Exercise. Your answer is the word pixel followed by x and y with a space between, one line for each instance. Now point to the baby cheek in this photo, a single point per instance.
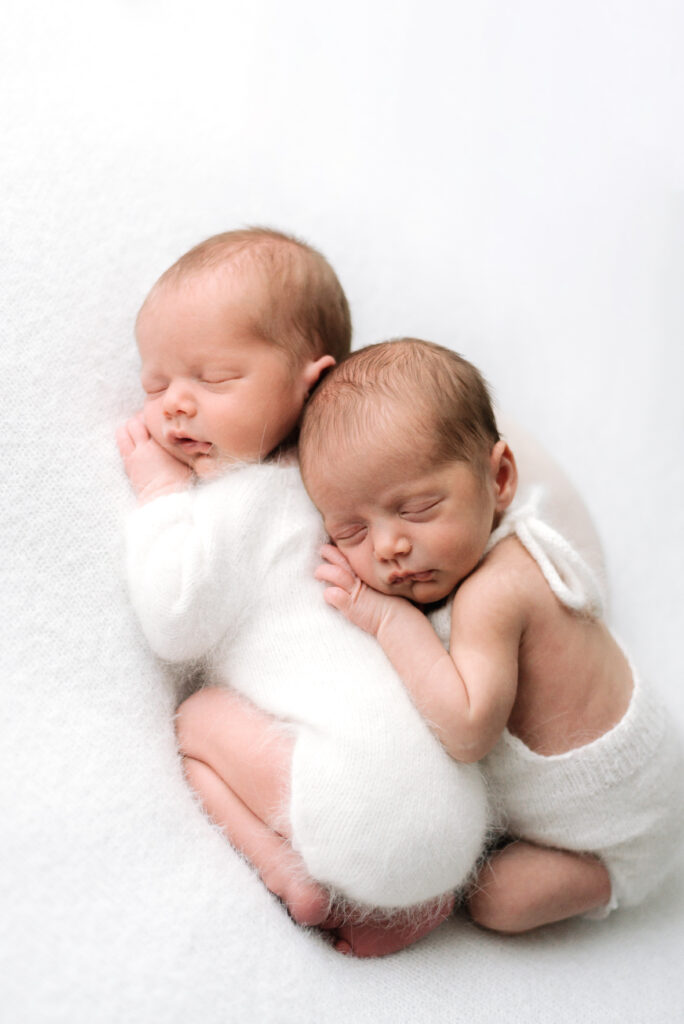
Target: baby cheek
pixel 153 421
pixel 354 557
pixel 364 567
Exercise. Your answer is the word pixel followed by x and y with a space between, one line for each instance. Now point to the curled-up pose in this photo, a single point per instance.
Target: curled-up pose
pixel 304 746
pixel 416 490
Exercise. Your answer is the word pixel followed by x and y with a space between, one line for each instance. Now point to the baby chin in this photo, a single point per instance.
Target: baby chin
pixel 207 466
pixel 214 464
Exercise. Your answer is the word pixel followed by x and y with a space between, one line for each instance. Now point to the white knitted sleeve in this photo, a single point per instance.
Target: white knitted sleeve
pixel 182 588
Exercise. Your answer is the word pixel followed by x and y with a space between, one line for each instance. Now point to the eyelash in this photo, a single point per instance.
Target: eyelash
pixel 151 392
pixel 407 513
pixel 360 533
pixel 357 535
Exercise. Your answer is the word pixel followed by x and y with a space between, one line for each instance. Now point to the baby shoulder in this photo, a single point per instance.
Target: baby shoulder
pixel 503 592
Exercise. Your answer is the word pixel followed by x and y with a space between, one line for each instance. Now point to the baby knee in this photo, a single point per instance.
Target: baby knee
pixel 500 898
pixel 498 912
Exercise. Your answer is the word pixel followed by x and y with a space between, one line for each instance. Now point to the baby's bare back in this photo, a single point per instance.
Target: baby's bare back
pixel 574 681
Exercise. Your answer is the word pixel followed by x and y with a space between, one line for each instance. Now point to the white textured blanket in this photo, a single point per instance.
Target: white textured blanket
pixel 504 179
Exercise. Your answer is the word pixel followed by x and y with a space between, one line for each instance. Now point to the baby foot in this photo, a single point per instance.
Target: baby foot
pixel 377 938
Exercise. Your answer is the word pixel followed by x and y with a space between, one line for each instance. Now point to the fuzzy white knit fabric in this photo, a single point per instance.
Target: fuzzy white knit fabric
pixel 620 797
pixel 224 573
pixel 568 574
pixel 506 179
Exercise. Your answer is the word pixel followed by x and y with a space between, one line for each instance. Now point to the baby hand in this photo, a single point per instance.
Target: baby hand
pixel 365 607
pixel 151 470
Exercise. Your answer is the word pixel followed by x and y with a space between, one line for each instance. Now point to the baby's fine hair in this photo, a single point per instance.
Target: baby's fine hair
pixel 426 401
pixel 305 310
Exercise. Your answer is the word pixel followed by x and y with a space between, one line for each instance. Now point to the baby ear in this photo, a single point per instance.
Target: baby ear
pixel 314 369
pixel 504 474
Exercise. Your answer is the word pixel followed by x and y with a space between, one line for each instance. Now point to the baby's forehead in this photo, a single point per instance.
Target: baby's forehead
pixel 383 428
pixel 237 298
pixel 362 468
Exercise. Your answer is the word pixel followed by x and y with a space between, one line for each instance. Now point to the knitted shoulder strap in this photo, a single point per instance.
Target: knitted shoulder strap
pixel 566 572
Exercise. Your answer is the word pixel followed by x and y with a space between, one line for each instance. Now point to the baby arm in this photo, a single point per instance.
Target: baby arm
pixel 465 694
pixel 175 579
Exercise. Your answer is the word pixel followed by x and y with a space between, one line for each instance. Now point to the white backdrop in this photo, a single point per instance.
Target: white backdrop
pixel 507 179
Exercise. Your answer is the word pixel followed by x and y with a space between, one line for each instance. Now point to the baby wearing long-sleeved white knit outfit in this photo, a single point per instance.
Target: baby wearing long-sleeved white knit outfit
pixel 223 572
pixel 620 797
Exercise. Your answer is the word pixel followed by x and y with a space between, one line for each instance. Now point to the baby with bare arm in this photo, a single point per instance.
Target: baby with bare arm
pixel 303 745
pixel 416 490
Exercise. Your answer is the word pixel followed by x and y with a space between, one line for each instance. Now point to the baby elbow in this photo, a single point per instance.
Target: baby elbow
pixel 469 747
pixel 466 754
pixel 174 640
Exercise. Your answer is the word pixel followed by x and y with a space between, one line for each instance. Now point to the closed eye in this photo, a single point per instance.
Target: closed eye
pixel 423 510
pixel 218 381
pixel 349 535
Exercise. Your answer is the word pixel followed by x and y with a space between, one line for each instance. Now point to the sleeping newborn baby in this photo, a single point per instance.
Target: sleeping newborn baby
pixel 304 745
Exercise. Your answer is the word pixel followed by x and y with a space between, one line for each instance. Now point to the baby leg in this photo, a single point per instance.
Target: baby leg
pixel 237 760
pixel 524 886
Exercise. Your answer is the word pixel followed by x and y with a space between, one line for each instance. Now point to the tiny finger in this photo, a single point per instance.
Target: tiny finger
pixel 137 429
pixel 336 575
pixel 337 598
pixel 123 441
pixel 334 555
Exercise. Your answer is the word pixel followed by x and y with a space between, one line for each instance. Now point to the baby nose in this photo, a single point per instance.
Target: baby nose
pixel 178 399
pixel 390 543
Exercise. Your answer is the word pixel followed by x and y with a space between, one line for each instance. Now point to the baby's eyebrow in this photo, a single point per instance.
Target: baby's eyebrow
pixel 151 378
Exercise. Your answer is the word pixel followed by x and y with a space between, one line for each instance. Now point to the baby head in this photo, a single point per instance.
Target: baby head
pixel 400 452
pixel 232 339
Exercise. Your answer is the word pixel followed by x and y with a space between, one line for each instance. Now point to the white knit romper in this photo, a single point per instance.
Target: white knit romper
pixel 224 574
